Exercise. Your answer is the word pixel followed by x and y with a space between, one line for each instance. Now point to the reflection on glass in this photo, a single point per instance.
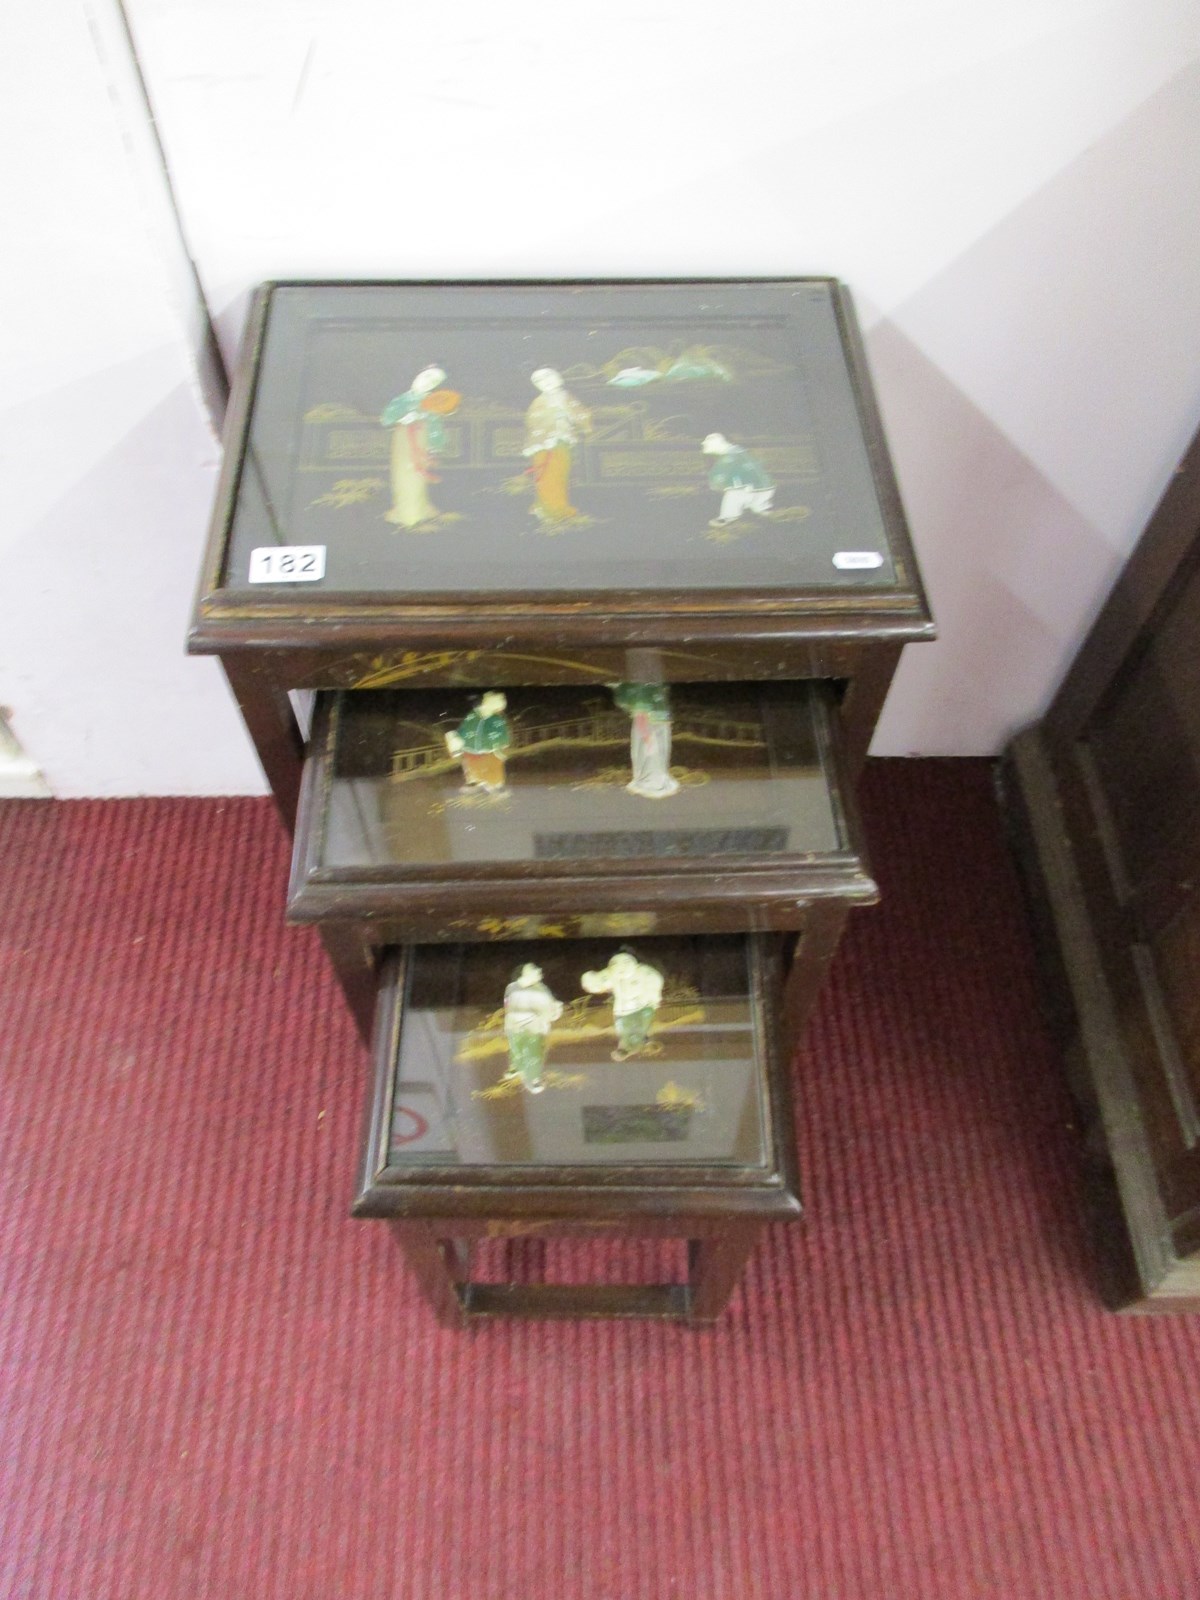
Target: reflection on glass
pixel 580 1053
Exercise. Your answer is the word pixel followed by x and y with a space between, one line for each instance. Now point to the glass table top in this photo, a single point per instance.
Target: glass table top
pixel 468 439
pixel 582 1053
pixel 427 779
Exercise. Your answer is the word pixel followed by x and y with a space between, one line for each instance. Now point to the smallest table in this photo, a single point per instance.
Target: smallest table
pixel 519 1092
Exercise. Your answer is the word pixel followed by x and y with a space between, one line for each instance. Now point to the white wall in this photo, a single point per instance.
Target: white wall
pixel 108 453
pixel 1010 192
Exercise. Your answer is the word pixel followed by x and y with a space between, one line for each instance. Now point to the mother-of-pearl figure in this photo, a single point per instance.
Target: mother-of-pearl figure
pixel 418 437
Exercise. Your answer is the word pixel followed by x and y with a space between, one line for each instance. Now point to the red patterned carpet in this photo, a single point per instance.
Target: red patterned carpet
pixel 214 1384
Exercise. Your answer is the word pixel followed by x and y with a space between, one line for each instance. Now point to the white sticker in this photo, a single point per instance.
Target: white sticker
pixel 857 560
pixel 287 563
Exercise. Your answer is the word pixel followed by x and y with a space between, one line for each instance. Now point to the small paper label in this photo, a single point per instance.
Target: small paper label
pixel 857 560
pixel 287 563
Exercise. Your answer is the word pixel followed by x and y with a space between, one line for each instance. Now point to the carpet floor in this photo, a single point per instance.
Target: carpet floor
pixel 214 1383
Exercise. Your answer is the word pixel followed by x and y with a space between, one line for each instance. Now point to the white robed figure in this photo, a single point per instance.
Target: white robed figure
pixel 649 708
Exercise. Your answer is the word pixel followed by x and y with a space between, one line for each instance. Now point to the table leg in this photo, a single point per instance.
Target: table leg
pixel 353 962
pixel 440 1266
pixel 271 724
pixel 715 1265
pixel 814 951
pixel 863 701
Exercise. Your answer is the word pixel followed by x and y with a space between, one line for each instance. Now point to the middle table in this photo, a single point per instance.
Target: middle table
pixel 631 811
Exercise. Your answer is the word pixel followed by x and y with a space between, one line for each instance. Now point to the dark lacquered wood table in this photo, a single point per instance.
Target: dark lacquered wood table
pixel 693 1141
pixel 596 591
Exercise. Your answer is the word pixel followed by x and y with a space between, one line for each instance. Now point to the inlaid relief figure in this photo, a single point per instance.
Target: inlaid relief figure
pixel 418 437
pixel 637 990
pixel 744 482
pixel 481 743
pixel 530 1011
pixel 649 708
pixel 554 424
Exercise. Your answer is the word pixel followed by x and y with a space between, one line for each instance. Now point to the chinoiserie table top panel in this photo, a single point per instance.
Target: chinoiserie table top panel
pixel 579 1054
pixel 579 778
pixel 447 444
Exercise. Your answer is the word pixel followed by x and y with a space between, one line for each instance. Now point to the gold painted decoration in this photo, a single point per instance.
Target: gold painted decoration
pixel 511 1084
pixel 682 362
pixel 349 492
pixel 384 672
pixel 595 728
pixel 520 928
pixel 673 1096
pixel 587 925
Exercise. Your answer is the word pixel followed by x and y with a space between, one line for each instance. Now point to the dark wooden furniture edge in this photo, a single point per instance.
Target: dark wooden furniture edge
pixel 624 620
pixel 226 619
pixel 883 473
pixel 441 1265
pixel 1136 1261
pixel 237 415
pixel 796 882
pixel 435 1223
pixel 554 1194
pixel 1156 564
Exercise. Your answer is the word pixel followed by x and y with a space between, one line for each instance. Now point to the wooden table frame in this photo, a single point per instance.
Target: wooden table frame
pixel 272 644
pixel 438 1214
